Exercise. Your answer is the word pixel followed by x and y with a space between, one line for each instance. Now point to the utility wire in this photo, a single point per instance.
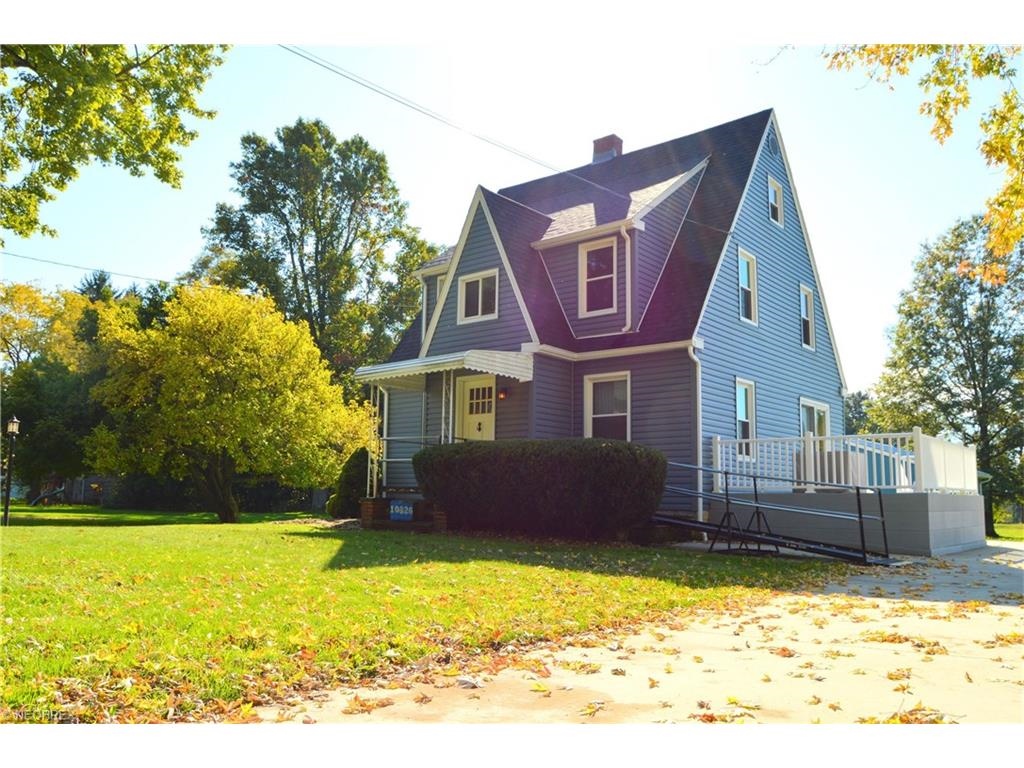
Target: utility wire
pixel 87 269
pixel 426 112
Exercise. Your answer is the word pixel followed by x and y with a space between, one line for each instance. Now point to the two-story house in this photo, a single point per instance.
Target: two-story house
pixel 664 296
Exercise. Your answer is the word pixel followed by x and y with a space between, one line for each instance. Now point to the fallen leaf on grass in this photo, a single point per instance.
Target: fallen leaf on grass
pixel 541 688
pixel 618 671
pixel 784 652
pixel 899 674
pixel 834 706
pixel 422 698
pixel 766 679
pixel 814 701
pixel 698 659
pixel 967 675
pixel 591 709
pixel 919 715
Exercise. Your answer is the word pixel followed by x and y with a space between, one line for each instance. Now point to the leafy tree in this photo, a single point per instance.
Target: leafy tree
pixel 856 420
pixel 957 357
pixel 63 106
pixel 53 404
pixel 25 312
pixel 226 386
pixel 950 75
pixel 321 230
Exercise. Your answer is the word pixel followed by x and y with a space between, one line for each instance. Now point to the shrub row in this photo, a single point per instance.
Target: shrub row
pixel 582 488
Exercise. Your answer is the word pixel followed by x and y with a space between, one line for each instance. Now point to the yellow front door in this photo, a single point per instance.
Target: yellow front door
pixel 476 400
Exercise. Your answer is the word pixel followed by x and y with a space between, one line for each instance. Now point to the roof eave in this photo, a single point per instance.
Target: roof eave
pixel 586 234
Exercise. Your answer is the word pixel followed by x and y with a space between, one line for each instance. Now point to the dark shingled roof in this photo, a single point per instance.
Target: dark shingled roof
pixel 614 190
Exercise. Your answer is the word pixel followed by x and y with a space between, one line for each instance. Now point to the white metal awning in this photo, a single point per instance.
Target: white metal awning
pixel 515 365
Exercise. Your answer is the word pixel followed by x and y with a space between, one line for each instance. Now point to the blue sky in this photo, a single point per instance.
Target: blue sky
pixel 872 183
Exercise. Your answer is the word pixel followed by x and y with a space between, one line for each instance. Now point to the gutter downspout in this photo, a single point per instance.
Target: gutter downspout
pixel 700 433
pixel 629 279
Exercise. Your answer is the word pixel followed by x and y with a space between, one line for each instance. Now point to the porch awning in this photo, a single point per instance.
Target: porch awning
pixel 515 365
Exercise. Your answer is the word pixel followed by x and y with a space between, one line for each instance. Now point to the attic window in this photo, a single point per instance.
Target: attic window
pixel 478 297
pixel 597 273
pixel 775 211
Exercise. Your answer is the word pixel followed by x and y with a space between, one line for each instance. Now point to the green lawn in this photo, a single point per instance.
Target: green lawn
pixel 139 616
pixel 1010 531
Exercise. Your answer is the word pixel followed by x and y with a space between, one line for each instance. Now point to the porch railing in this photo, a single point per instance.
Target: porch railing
pixel 895 461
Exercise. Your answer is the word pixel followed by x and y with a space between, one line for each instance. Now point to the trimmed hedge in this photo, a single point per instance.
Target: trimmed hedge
pixel 582 488
pixel 351 486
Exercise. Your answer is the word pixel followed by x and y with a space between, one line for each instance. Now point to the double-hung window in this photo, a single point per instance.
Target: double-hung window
pixel 478 297
pixel 745 428
pixel 606 405
pixel 597 278
pixel 814 418
pixel 775 210
pixel 748 286
pixel 807 316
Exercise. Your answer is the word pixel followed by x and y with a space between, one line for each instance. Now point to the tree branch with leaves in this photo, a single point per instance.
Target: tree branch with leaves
pixel 950 73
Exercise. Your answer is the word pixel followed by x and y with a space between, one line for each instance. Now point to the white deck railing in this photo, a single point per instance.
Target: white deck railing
pixel 900 461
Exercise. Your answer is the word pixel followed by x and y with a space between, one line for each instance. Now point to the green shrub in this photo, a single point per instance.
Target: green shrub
pixel 351 486
pixel 585 489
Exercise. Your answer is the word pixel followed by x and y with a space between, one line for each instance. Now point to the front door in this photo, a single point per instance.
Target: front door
pixel 476 395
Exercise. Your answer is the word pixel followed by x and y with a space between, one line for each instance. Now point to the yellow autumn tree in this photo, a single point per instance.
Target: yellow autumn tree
pixel 949 72
pixel 224 386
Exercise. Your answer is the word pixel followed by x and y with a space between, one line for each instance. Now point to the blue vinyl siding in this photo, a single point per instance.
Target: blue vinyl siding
pixel 562 263
pixel 508 331
pixel 662 405
pixel 653 245
pixel 512 415
pixel 552 405
pixel 431 284
pixel 771 353
pixel 405 420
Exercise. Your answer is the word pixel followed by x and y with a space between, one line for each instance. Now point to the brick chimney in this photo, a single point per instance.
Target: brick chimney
pixel 607 147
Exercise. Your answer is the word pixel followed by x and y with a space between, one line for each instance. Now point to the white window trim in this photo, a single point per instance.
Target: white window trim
pixel 581 287
pixel 462 319
pixel 588 400
pixel 745 255
pixel 807 291
pixel 773 184
pixel 753 412
pixel 807 402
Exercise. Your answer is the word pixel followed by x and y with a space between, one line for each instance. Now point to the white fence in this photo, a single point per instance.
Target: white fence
pixel 900 461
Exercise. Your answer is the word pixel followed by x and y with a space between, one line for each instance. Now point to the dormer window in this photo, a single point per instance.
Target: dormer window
pixel 597 278
pixel 775 201
pixel 478 297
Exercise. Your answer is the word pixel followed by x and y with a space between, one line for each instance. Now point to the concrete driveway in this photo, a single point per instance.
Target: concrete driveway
pixel 930 640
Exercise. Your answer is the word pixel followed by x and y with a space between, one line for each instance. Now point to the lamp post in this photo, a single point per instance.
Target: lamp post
pixel 12 435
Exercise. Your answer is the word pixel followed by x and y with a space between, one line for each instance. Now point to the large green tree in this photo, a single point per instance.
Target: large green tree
pixel 63 106
pixel 948 73
pixel 321 229
pixel 957 356
pixel 223 386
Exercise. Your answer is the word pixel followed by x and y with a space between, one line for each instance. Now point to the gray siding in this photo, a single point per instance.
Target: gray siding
pixel 405 419
pixel 553 402
pixel 770 354
pixel 508 331
pixel 661 226
pixel 562 263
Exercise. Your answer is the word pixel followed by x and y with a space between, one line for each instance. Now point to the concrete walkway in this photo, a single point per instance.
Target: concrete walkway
pixel 931 640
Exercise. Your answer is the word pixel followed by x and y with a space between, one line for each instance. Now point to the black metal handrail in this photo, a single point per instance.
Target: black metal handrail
pixel 759 506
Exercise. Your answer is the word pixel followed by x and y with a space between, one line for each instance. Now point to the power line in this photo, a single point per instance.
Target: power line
pixel 427 112
pixel 86 269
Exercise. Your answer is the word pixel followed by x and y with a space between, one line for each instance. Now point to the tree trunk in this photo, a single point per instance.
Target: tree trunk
pixel 213 477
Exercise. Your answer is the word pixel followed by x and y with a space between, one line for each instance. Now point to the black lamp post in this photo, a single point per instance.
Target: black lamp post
pixel 12 436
